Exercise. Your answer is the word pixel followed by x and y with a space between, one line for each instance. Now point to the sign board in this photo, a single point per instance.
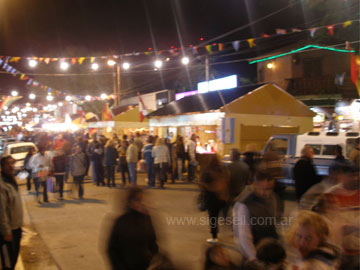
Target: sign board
pixel 218 84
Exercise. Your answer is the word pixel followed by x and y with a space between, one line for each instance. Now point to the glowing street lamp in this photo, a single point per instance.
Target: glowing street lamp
pixel 33 63
pixel 64 65
pixel 270 65
pixel 32 96
pixel 95 66
pixel 103 96
pixel 14 93
pixel 158 64
pixel 185 60
pixel 111 62
pixel 126 66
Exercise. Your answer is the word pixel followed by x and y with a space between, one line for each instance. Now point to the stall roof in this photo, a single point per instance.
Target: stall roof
pixel 210 101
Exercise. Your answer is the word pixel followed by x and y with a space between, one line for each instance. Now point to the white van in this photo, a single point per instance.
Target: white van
pixel 18 151
pixel 289 147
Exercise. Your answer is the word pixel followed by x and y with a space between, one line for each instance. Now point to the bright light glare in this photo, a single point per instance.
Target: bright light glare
pixel 95 66
pixel 5 108
pixel 87 98
pixel 126 66
pixel 185 60
pixel 68 98
pixel 14 93
pixel 28 104
pixel 34 109
pixel 64 65
pixel 270 65
pixel 158 63
pixel 103 96
pixel 111 62
pixel 49 98
pixel 32 96
pixel 60 104
pixel 32 63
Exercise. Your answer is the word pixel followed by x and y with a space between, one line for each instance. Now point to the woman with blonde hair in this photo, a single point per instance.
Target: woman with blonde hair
pixel 310 236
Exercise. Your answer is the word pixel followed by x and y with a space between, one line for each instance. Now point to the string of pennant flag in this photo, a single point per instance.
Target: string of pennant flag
pixel 210 49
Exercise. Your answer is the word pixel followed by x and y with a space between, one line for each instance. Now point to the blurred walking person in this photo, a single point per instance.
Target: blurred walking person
pixel 59 164
pixel 192 165
pixel 97 158
pixel 11 215
pixel 110 160
pixel 78 169
pixel 132 159
pixel 180 157
pixel 27 167
pixel 161 156
pixel 147 154
pixel 214 182
pixel 40 165
pixel 304 172
pixel 132 243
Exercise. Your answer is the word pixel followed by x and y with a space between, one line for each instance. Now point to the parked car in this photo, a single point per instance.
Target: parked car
pixel 288 147
pixel 18 151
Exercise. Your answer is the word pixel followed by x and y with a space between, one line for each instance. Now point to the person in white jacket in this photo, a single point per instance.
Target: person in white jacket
pixel 41 166
pixel 161 156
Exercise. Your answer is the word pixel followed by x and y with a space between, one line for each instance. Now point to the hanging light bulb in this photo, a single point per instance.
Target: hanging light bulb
pixel 126 66
pixel 158 64
pixel 68 98
pixel 87 98
pixel 103 96
pixel 95 66
pixel 33 63
pixel 14 93
pixel 49 98
pixel 32 96
pixel 111 62
pixel 185 60
pixel 64 65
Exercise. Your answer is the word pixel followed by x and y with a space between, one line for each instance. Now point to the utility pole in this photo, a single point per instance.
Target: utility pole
pixel 207 69
pixel 118 84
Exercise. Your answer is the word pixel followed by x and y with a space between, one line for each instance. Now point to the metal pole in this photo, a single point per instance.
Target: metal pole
pixel 207 69
pixel 114 87
pixel 118 83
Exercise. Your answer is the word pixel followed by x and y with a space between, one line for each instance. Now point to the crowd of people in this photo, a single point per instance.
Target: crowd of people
pixel 325 232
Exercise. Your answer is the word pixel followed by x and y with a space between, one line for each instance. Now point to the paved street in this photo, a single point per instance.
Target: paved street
pixel 71 234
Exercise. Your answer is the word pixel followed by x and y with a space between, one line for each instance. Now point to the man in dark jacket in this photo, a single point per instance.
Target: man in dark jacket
pixel 110 161
pixel 147 155
pixel 304 172
pixel 132 243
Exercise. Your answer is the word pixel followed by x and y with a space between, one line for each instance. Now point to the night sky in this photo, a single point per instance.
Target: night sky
pixel 74 28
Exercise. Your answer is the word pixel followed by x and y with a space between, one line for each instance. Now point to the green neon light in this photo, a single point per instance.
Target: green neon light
pixel 298 50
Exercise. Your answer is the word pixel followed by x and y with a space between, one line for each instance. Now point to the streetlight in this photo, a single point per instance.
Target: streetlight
pixel 33 63
pixel 158 64
pixel 111 62
pixel 103 96
pixel 270 65
pixel 185 60
pixel 14 93
pixel 32 96
pixel 64 65
pixel 95 66
pixel 126 66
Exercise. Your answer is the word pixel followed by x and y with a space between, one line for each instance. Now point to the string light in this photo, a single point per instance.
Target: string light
pixel 49 98
pixel 87 98
pixel 60 104
pixel 68 98
pixel 103 96
pixel 14 93
pixel 32 96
